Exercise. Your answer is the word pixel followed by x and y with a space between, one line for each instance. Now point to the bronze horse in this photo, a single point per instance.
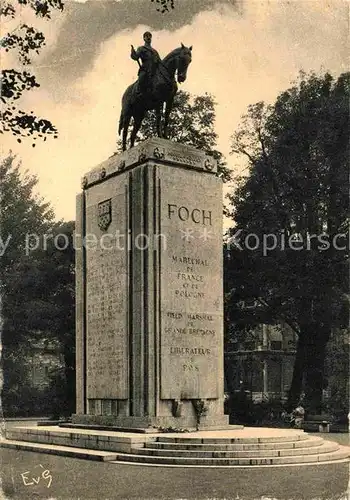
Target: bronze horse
pixel 163 90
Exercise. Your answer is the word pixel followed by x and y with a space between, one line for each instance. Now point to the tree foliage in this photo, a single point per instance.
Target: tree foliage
pixel 191 122
pixel 295 201
pixel 21 212
pixel 26 41
pixel 36 278
pixel 164 5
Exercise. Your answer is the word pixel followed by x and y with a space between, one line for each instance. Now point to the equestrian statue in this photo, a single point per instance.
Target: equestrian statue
pixel 155 86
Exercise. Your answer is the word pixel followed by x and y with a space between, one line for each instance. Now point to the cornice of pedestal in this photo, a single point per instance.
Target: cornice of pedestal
pixel 157 150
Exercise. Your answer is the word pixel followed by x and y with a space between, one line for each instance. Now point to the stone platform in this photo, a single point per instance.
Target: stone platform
pixel 236 447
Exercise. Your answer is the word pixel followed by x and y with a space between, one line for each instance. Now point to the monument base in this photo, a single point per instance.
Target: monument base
pixel 149 309
pixel 214 422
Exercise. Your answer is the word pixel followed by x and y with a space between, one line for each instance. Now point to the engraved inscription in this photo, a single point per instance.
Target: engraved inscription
pixel 190 261
pixel 190 283
pixel 189 331
pixel 106 305
pixel 195 351
pixel 189 367
pixel 191 298
pixel 191 320
pixel 196 215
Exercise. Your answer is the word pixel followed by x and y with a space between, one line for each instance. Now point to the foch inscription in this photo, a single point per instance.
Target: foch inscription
pixel 185 214
pixel 191 284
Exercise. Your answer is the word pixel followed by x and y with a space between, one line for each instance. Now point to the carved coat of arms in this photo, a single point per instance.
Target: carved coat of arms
pixel 104 214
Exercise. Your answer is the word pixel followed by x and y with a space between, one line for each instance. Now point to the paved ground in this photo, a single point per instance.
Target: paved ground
pixel 73 479
pixel 342 438
pixel 20 422
pixel 64 478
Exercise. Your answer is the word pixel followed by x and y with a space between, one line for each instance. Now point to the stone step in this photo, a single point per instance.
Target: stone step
pixel 64 451
pixel 326 447
pixel 239 440
pixel 126 448
pixel 277 445
pixel 341 454
pixel 93 440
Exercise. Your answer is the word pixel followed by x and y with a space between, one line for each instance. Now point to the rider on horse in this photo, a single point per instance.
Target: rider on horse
pixel 160 78
pixel 150 60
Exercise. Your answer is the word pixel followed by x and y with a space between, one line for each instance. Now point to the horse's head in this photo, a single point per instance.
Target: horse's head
pixel 183 61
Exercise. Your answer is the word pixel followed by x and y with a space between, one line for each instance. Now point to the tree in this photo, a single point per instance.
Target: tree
pixel 27 41
pixel 192 122
pixel 22 213
pixel 36 280
pixel 291 215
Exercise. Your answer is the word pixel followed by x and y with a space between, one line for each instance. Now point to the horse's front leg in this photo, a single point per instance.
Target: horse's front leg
pixel 168 108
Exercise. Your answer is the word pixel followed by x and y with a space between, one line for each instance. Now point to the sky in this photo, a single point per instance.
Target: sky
pixel 243 52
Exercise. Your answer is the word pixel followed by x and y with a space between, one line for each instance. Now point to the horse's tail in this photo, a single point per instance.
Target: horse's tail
pixel 126 102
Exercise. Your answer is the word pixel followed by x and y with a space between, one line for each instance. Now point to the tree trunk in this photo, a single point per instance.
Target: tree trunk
pixel 314 381
pixel 230 365
pixel 298 375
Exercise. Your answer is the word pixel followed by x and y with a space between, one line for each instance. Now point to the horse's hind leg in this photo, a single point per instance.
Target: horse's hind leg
pixel 136 128
pixel 158 120
pixel 125 131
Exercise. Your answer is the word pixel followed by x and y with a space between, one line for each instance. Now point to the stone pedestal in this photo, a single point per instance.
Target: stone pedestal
pixel 149 308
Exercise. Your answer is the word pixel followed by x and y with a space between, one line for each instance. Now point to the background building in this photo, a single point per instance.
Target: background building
pixel 262 364
pixel 44 359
